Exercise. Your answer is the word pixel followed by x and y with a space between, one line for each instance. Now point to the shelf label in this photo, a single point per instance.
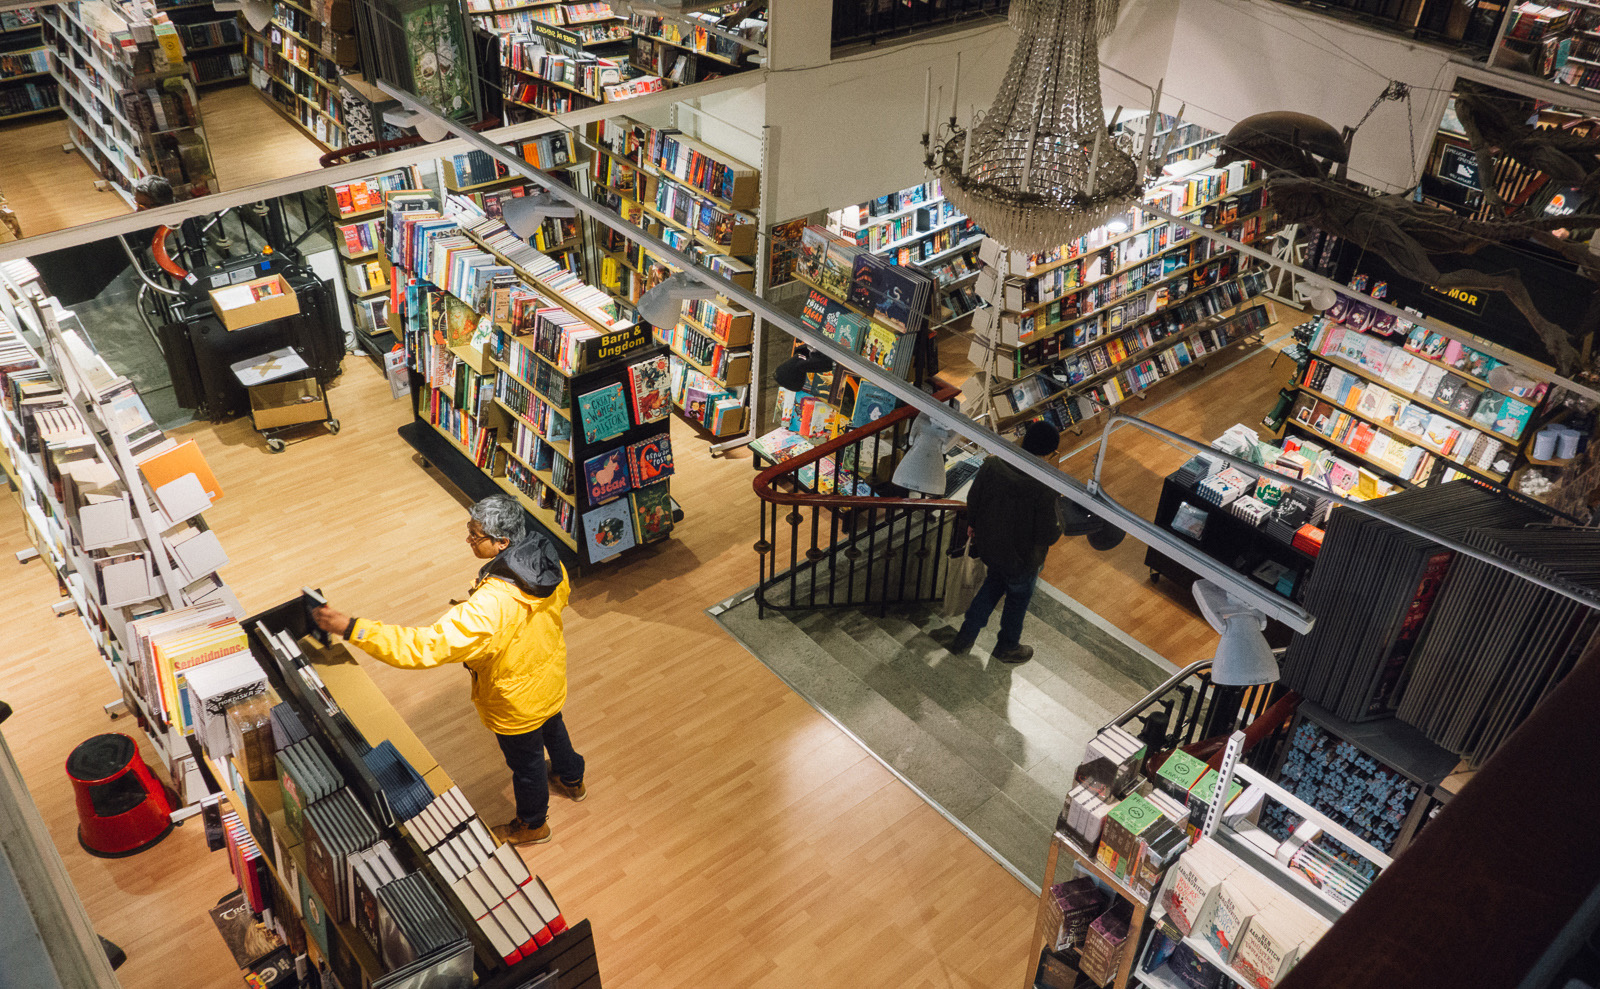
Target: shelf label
pixel 571 42
pixel 609 346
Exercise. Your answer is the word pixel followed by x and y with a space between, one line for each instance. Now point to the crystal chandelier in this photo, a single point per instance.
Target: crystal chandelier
pixel 1040 167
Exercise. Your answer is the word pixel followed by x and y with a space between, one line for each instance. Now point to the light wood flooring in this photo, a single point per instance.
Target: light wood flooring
pixel 733 836
pixel 51 190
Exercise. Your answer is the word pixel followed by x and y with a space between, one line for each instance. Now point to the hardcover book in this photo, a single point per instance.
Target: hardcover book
pixel 604 413
pixel 607 475
pixel 650 460
pixel 651 389
pixel 608 530
pixel 652 512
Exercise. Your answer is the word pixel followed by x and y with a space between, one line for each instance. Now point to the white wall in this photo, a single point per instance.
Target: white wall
pixel 849 130
pixel 1233 58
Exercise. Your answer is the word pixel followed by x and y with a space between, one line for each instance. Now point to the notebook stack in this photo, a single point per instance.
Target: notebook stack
pixel 336 827
pixel 448 823
pixel 306 775
pixel 1223 487
pixel 1083 817
pixel 1069 909
pixel 1251 509
pixel 1196 470
pixel 287 728
pixel 402 786
pixel 510 905
pixel 1111 763
pixel 369 871
pixel 420 942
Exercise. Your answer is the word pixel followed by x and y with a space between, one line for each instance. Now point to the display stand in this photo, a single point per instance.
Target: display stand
pixel 1086 864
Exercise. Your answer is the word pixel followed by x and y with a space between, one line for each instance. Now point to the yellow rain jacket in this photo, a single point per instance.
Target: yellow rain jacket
pixel 508 636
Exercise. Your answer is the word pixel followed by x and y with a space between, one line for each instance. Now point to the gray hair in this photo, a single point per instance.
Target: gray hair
pixel 500 517
pixel 156 187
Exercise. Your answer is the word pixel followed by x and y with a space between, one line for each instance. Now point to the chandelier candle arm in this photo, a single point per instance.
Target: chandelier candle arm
pixel 955 91
pixel 927 108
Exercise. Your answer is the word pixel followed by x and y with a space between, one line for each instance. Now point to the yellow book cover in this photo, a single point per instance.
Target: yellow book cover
pixel 176 653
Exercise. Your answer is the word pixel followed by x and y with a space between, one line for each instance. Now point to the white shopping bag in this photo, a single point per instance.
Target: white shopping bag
pixel 967 574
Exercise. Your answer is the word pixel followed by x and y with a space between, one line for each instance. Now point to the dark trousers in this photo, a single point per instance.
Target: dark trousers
pixel 1017 591
pixel 525 755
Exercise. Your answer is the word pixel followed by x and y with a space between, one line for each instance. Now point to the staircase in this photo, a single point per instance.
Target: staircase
pixel 991 746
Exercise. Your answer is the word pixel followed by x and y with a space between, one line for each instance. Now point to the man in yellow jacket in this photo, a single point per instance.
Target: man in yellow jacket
pixel 508 634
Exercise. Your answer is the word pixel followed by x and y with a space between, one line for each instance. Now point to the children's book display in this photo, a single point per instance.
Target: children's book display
pixel 699 200
pixel 115 509
pixel 533 377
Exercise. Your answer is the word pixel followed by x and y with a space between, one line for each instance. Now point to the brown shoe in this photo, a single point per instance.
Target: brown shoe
pixel 519 832
pixel 572 791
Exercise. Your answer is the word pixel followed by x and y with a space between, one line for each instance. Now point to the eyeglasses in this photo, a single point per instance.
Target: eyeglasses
pixel 474 538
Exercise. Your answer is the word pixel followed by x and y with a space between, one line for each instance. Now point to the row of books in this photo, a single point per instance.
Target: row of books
pixel 732 326
pixel 705 400
pixel 521 358
pixel 707 352
pixel 365 277
pixel 693 32
pixel 216 67
pixel 24 63
pixel 851 218
pixel 563 515
pixel 689 161
pixel 854 332
pixel 313 122
pixel 530 447
pixel 1409 462
pixel 1397 415
pixel 362 236
pixel 28 97
pixel 589 74
pixel 475 167
pixel 878 236
pixel 680 204
pixel 890 294
pixel 211 34
pixel 534 409
pixel 571 289
pixel 960 234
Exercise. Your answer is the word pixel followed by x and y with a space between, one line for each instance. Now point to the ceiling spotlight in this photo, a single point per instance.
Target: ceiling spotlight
pixel 427 126
pixel 1323 299
pixel 524 215
pixel 1243 657
pixel 794 372
pixel 662 305
pixel 1117 224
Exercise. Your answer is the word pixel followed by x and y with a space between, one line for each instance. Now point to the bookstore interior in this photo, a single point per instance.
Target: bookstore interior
pixel 1336 679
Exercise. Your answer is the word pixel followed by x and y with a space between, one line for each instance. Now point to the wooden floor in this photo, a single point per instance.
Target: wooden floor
pixel 732 836
pixel 51 190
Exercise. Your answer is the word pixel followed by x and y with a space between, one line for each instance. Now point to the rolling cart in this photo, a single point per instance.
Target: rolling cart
pixel 285 396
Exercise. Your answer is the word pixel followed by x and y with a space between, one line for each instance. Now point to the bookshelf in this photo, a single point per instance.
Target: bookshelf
pixel 26 87
pixel 294 62
pixel 317 832
pixel 359 218
pixel 1084 326
pixel 126 114
pixel 553 69
pixel 683 50
pixel 699 200
pixel 89 469
pixel 918 225
pixel 1378 390
pixel 555 399
pixel 215 46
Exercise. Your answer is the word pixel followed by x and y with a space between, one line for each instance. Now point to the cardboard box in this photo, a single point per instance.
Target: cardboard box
pixel 254 302
pixel 287 403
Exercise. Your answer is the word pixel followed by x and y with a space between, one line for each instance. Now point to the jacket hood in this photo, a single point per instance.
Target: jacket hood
pixel 532 565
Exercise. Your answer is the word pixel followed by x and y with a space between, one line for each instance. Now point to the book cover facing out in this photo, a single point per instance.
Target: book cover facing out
pixel 604 413
pixel 607 475
pixel 608 530
pixel 650 460
pixel 652 389
pixel 652 512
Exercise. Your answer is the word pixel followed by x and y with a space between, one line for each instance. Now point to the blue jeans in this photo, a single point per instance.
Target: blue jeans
pixel 1017 591
pixel 525 755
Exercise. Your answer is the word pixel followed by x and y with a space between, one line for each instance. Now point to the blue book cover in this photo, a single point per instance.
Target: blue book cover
pixel 604 413
pixel 607 475
pixel 608 530
pixel 872 403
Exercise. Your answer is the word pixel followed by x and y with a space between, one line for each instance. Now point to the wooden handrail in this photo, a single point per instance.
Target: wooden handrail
pixel 943 392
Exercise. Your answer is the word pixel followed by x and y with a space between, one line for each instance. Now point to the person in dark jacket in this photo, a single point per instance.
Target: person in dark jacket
pixel 1014 522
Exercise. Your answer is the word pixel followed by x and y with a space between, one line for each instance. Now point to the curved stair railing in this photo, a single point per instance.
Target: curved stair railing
pixel 834 545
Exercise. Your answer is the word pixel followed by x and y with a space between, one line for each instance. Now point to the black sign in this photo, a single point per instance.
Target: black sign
pixel 609 346
pixel 1470 299
pixel 566 39
pixel 1459 165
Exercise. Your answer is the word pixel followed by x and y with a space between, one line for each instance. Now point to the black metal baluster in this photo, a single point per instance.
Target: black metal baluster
pixel 794 518
pixel 814 554
pixel 762 548
pixel 833 554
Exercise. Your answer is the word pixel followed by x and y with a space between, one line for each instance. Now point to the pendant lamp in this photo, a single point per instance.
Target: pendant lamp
pixel 662 305
pixel 1243 656
pixel 1040 168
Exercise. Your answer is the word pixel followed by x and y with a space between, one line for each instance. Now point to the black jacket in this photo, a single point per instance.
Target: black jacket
pixel 1013 518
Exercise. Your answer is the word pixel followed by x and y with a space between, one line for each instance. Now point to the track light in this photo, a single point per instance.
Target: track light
pixel 662 305
pixel 794 372
pixel 1243 657
pixel 524 215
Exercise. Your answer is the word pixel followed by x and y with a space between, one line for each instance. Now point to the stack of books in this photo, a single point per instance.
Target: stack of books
pixel 306 775
pixel 420 942
pixel 335 828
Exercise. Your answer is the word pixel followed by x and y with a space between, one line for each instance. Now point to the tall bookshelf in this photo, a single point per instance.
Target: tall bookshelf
pixel 292 63
pixel 685 49
pixel 513 398
pixel 26 87
pixel 131 107
pixel 698 200
pixel 214 43
pixel 1085 326
pixel 79 450
pixel 919 226
pixel 360 219
pixel 552 70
